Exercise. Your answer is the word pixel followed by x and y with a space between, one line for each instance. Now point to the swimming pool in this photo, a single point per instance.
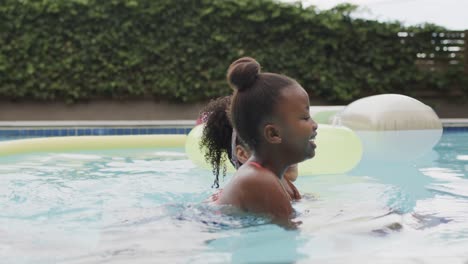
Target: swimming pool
pixel 145 206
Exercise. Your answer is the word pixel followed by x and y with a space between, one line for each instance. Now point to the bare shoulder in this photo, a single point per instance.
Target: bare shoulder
pixel 258 191
pixel 261 192
pixel 244 182
pixel 254 179
pixel 254 183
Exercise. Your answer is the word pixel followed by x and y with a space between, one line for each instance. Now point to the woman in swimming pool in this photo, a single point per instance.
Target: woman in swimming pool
pixel 270 113
pixel 219 138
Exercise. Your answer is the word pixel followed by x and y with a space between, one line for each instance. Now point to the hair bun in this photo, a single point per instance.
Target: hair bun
pixel 243 73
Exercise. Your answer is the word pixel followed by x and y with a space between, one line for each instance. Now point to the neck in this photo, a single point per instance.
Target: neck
pixel 272 163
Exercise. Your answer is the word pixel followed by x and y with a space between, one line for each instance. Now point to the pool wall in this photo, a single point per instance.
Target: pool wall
pixel 18 130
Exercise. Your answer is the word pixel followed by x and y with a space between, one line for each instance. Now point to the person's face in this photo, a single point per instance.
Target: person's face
pixel 296 128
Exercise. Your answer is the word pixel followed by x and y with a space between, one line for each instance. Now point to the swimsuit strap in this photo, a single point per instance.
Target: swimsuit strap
pixel 256 164
pixel 234 159
pixel 284 189
pixel 296 194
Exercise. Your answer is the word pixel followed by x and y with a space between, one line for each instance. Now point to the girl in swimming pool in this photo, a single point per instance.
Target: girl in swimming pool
pixel 270 113
pixel 220 139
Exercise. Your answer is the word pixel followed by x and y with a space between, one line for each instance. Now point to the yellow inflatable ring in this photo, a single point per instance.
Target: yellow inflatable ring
pixel 65 144
pixel 338 151
pixel 338 148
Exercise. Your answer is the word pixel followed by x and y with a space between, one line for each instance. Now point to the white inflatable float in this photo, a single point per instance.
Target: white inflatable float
pixel 392 127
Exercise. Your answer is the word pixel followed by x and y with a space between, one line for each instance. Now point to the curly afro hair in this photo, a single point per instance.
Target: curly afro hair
pixel 217 132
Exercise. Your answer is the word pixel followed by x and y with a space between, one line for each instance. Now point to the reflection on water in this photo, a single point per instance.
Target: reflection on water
pixel 147 207
pixel 406 184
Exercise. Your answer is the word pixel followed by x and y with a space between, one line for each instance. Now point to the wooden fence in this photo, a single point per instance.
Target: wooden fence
pixel 446 50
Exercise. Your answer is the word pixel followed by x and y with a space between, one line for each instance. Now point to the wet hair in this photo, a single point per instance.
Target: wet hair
pixel 255 97
pixel 216 138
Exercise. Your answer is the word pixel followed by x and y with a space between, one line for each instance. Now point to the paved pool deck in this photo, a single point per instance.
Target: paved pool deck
pixel 151 110
pixel 148 113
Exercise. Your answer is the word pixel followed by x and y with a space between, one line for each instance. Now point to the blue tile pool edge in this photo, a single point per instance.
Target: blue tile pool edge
pixel 28 129
pixel 91 131
pixel 101 128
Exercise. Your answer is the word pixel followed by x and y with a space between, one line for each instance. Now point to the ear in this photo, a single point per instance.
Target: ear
pixel 242 154
pixel 272 134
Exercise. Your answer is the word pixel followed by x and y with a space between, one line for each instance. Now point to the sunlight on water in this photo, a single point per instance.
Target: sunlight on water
pixel 148 206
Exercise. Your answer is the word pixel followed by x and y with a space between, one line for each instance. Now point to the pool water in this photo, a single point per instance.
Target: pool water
pixel 148 206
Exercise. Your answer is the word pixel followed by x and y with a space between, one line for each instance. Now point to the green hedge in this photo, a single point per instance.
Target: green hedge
pixel 179 50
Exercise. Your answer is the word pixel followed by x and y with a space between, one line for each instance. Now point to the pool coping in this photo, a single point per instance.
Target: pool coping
pixel 446 122
pixel 454 122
